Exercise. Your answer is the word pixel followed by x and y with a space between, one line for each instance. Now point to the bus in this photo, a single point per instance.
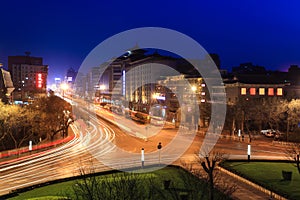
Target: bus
pixel 157 115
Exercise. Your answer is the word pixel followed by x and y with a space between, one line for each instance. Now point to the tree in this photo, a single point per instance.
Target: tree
pixel 55 116
pixel 120 185
pixel 22 125
pixel 293 116
pixel 294 153
pixel 17 126
pixel 4 115
pixel 209 162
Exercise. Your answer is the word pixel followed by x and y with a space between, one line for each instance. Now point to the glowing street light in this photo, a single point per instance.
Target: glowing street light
pixel 142 157
pixel 154 96
pixel 64 87
pixel 249 152
pixel 194 88
pixel 102 87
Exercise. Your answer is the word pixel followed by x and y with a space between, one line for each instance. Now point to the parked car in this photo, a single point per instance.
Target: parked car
pixel 268 132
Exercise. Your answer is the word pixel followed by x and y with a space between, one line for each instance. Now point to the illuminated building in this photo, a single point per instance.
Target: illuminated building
pixel 29 76
pixel 254 87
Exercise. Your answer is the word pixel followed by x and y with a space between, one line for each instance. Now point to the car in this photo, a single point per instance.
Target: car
pixel 268 132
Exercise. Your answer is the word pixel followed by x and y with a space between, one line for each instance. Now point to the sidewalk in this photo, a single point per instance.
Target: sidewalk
pixel 245 190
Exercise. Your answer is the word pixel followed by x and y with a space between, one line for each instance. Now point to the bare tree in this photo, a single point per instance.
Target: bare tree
pixel 293 115
pixel 115 186
pixel 294 153
pixel 209 162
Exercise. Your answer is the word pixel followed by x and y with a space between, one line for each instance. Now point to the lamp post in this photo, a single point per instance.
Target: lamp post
pixel 249 152
pixel 159 146
pixel 194 101
pixel 64 87
pixel 142 157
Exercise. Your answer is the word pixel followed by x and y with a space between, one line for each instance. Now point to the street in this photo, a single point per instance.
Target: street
pixel 103 146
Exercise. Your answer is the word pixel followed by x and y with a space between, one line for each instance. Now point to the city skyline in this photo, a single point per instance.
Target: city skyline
pixel 264 33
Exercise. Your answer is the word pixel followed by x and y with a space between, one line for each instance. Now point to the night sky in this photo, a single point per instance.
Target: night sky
pixel 266 33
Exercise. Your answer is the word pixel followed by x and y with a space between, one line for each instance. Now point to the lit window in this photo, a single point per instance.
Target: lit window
pixel 203 85
pixel 243 91
pixel 252 91
pixel 271 91
pixel 203 93
pixel 202 100
pixel 261 91
pixel 279 92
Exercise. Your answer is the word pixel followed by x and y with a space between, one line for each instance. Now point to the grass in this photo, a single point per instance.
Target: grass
pixel 269 175
pixel 55 191
pixel 61 190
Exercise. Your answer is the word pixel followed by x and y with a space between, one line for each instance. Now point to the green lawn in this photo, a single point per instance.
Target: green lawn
pixel 269 175
pixel 48 192
pixel 181 183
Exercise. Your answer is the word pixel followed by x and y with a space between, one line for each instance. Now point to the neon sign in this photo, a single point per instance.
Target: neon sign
pixel 39 80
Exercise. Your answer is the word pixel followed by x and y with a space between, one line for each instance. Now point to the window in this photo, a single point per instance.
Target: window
pixel 203 93
pixel 271 91
pixel 243 91
pixel 261 91
pixel 252 91
pixel 279 92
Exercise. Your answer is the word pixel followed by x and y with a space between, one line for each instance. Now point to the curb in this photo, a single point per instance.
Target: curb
pixel 256 186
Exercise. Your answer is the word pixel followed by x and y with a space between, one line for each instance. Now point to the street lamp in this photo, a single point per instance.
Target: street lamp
pixel 102 87
pixel 159 146
pixel 142 157
pixel 194 88
pixel 249 152
pixel 64 87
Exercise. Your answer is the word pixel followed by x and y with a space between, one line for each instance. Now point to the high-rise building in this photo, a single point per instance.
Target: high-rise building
pixel 29 76
pixel 70 76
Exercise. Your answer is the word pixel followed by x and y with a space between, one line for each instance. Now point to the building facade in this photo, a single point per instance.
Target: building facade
pixel 29 76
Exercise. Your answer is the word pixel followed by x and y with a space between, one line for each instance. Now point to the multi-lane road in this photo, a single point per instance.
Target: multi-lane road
pixel 102 145
pixel 63 161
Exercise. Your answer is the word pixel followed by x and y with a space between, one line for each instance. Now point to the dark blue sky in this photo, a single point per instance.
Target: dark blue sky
pixel 265 32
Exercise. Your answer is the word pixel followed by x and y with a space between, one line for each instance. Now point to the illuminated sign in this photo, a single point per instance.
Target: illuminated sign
pixel 39 80
pixel 158 96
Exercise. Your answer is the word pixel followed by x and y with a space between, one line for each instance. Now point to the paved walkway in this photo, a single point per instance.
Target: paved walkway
pixel 243 191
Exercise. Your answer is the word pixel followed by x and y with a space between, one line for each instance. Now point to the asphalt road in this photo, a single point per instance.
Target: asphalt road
pixel 101 145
